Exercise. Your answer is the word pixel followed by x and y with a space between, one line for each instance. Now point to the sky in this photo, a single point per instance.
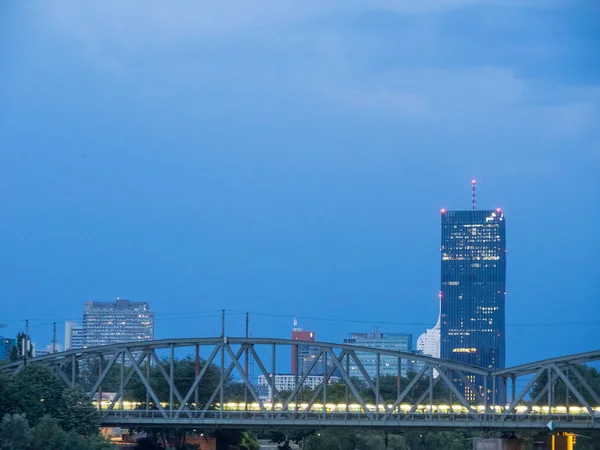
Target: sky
pixel 291 158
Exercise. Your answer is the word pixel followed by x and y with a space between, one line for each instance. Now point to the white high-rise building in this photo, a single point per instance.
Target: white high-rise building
pixel 287 382
pixel 429 342
pixel 73 335
pixel 107 323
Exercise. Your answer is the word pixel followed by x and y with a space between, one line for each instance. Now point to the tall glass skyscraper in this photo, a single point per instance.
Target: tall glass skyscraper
pixel 473 289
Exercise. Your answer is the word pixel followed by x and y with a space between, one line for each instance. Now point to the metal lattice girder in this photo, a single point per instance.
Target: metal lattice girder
pixel 346 376
pixel 363 371
pixel 274 392
pixel 585 384
pixel 326 375
pixel 546 390
pixel 145 382
pixel 407 389
pixel 242 372
pixel 105 371
pixel 427 392
pixel 301 381
pixel 457 377
pixel 571 388
pixel 166 376
pixel 190 342
pixel 523 392
pixel 455 391
pixel 62 375
pixel 127 379
pixel 224 376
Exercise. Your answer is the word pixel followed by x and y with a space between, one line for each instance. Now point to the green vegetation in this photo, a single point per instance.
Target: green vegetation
pixel 37 413
pixel 328 439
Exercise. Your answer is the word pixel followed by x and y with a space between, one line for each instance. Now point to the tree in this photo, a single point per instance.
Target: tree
pixel 330 440
pixel 6 394
pixel 75 441
pixel 15 433
pixel 16 352
pixel 559 389
pixel 36 392
pixel 78 414
pixel 48 435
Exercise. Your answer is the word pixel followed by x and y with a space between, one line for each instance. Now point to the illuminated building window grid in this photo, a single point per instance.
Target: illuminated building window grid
pixel 473 257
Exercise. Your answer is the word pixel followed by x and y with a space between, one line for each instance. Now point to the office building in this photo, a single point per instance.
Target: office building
pixel 388 365
pixel 6 346
pixel 73 335
pixel 107 323
pixel 473 289
pixel 306 354
pixel 287 382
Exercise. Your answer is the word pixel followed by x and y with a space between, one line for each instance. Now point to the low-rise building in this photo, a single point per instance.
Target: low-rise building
pixel 287 382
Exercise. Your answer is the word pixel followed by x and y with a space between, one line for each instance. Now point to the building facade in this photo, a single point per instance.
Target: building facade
pixel 306 353
pixel 73 335
pixel 107 323
pixel 287 382
pixel 429 342
pixel 6 346
pixel 388 365
pixel 473 289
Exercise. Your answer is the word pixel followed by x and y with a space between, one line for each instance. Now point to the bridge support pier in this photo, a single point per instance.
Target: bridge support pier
pixel 498 444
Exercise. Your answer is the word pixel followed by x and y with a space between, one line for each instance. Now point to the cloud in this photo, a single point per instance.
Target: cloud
pixel 312 51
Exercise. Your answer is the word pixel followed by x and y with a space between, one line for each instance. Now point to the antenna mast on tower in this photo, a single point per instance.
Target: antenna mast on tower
pixel 474 187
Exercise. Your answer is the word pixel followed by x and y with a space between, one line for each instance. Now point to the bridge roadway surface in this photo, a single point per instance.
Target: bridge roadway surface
pixel 287 420
pixel 531 406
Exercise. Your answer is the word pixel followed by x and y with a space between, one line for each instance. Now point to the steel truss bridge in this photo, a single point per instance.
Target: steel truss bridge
pixel 484 406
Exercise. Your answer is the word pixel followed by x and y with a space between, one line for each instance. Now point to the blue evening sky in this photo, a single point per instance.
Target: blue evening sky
pixel 291 158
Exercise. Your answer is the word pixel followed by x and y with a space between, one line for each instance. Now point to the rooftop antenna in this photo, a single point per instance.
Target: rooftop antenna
pixel 474 188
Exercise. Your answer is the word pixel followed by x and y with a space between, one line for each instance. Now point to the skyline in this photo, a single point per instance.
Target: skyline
pixel 293 160
pixel 366 326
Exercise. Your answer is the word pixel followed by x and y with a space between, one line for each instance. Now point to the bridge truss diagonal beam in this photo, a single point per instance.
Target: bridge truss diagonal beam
pixel 274 392
pixel 145 382
pixel 126 380
pixel 104 373
pixel 585 384
pixel 523 392
pixel 224 376
pixel 571 388
pixel 196 382
pixel 242 372
pixel 455 391
pixel 346 377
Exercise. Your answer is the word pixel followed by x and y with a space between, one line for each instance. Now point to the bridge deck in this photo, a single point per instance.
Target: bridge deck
pixel 231 419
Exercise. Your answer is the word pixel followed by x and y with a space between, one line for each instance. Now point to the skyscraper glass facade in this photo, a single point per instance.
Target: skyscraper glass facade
pixel 473 289
pixel 388 365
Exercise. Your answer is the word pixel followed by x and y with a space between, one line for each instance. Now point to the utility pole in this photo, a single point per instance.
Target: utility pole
pixel 26 346
pixel 54 340
pixel 246 369
pixel 222 380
